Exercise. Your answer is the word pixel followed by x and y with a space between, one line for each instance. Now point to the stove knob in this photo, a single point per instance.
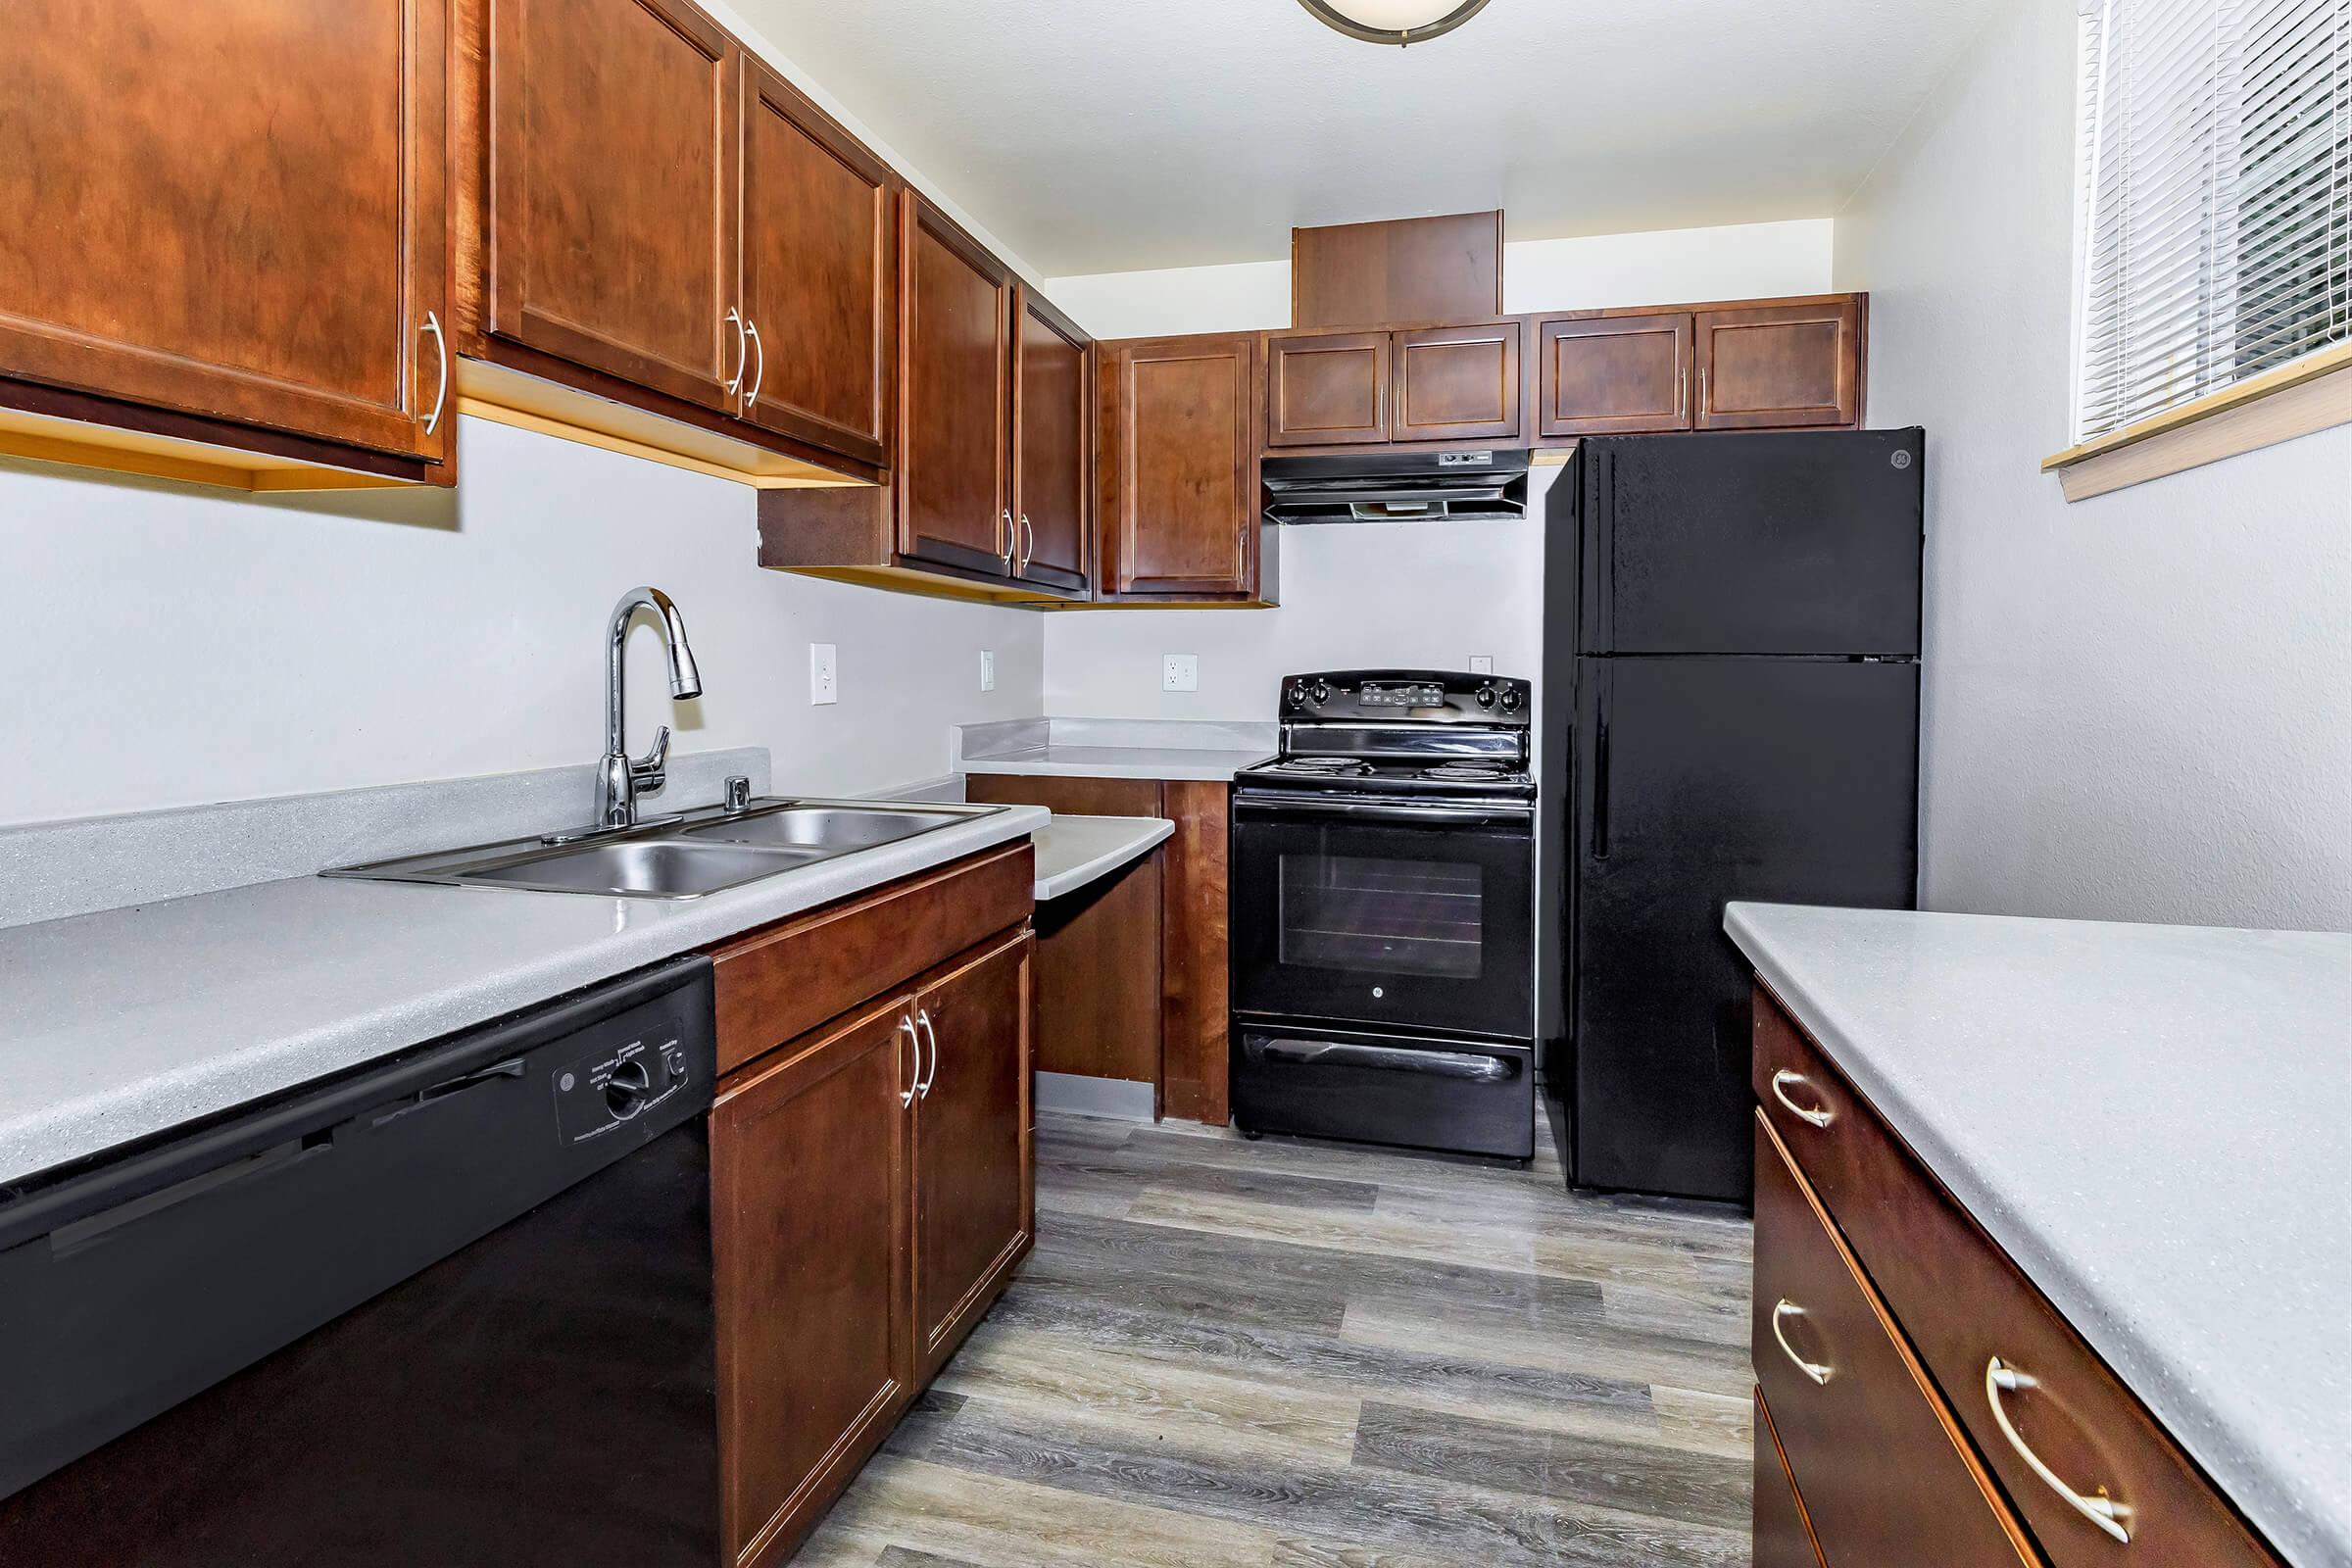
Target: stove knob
pixel 1322 692
pixel 1486 697
pixel 1511 700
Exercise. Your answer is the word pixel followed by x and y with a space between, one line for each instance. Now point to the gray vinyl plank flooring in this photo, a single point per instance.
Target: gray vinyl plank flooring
pixel 1284 1354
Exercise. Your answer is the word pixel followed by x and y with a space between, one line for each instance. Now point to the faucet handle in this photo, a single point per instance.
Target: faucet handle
pixel 652 770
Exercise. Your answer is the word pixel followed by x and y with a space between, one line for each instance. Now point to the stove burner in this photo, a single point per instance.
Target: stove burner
pixel 1468 772
pixel 1324 766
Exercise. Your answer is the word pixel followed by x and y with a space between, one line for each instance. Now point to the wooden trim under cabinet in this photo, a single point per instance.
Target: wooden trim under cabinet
pixel 1962 1303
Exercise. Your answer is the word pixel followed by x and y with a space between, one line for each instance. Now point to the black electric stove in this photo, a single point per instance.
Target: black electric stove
pixel 1383 918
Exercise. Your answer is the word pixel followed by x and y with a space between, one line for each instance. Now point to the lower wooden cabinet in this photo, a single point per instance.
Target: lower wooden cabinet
pixel 872 1191
pixel 1782 1535
pixel 972 1192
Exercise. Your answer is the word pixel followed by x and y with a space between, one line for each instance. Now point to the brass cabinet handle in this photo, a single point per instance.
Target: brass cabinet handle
pixel 915 1080
pixel 2001 1378
pixel 432 324
pixel 743 352
pixel 1780 1092
pixel 759 365
pixel 1818 1371
pixel 924 1016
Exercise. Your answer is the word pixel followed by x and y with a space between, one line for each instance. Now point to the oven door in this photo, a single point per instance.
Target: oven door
pixel 1414 915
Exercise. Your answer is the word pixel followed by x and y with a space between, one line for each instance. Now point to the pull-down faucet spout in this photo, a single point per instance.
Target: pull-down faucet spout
pixel 619 777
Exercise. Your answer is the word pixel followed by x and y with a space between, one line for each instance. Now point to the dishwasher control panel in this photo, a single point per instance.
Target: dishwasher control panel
pixel 612 1085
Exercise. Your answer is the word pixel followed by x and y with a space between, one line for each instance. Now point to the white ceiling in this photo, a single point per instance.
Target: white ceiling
pixel 1105 135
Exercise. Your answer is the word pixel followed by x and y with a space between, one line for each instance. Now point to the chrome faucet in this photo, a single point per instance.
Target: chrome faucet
pixel 619 777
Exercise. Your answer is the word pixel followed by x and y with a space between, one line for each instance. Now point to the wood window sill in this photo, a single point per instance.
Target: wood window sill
pixel 2314 393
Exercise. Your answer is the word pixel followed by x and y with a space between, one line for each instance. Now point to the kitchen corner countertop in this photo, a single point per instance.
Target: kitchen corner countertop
pixel 1074 850
pixel 2155 1122
pixel 129 1023
pixel 1121 761
pixel 1203 749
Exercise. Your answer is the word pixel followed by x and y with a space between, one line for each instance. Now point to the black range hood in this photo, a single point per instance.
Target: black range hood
pixel 1396 487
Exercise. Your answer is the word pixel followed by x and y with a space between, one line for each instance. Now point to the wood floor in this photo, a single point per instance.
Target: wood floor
pixel 1282 1354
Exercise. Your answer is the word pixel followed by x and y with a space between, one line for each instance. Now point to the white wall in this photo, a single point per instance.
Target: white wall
pixel 2137 707
pixel 1377 593
pixel 171 645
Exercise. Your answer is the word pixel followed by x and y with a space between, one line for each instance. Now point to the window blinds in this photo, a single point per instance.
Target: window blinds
pixel 2216 198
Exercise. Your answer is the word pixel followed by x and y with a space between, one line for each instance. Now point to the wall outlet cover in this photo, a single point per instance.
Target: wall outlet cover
pixel 824 685
pixel 988 669
pixel 1180 672
pixel 1482 663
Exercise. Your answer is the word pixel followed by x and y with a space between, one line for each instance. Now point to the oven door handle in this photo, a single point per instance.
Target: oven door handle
pixel 1411 814
pixel 1337 1054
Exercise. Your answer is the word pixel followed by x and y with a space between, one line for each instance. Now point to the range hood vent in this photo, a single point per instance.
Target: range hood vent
pixel 1396 487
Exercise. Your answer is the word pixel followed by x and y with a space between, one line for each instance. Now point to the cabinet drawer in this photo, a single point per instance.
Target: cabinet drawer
pixel 1963 1304
pixel 1887 1480
pixel 1782 1537
pixel 781 982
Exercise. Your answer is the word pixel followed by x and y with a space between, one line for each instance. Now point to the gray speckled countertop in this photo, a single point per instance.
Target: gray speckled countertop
pixel 128 1022
pixel 1113 748
pixel 1074 850
pixel 2156 1123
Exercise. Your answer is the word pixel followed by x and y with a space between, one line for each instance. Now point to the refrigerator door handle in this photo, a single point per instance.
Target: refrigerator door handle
pixel 1605 551
pixel 1601 683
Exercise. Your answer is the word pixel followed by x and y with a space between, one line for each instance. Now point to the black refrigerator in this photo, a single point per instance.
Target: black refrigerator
pixel 1730 710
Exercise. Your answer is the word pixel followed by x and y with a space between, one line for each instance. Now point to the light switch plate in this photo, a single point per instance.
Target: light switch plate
pixel 1482 663
pixel 988 669
pixel 823 685
pixel 1180 672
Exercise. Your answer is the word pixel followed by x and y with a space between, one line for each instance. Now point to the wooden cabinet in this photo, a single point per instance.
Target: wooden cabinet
pixel 810 1176
pixel 1448 268
pixel 1185 1050
pixel 1415 386
pixel 1178 438
pixel 227 228
pixel 1612 375
pixel 1962 1303
pixel 1781 1537
pixel 1744 364
pixel 1053 457
pixel 1779 367
pixel 872 1180
pixel 989 496
pixel 973 1192
pixel 1326 389
pixel 820 295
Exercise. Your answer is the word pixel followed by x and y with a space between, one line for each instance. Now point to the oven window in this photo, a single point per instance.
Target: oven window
pixel 1382 916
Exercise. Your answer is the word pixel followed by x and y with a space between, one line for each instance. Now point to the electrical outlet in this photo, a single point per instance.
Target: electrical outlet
pixel 988 669
pixel 823 686
pixel 1180 672
pixel 1482 663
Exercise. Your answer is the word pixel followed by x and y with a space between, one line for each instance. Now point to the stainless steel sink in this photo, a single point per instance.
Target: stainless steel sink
pixel 684 856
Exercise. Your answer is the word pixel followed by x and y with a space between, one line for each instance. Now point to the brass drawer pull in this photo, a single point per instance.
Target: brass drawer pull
pixel 2003 1378
pixel 1818 1371
pixel 1780 1092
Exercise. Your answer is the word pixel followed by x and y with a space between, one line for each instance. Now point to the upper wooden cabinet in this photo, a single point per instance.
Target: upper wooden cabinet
pixel 226 228
pixel 1415 385
pixel 988 498
pixel 1774 367
pixel 1753 364
pixel 819 286
pixel 1053 462
pixel 1617 375
pixel 1445 268
pixel 1326 389
pixel 1178 435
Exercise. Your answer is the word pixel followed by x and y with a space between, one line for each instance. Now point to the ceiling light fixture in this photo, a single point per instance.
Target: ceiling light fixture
pixel 1396 21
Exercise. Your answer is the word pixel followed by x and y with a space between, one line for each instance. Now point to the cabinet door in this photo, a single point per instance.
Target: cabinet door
pixel 1328 389
pixel 1612 375
pixel 954 485
pixel 1177 469
pixel 234 209
pixel 1053 409
pixel 613 194
pixel 809 1177
pixel 1457 383
pixel 1780 366
pixel 819 286
pixel 972 1184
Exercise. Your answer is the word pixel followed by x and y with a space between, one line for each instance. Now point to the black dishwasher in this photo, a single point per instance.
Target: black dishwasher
pixel 452 1307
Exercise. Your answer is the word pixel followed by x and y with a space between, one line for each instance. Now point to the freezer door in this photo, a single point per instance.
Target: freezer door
pixel 1796 543
pixel 1704 780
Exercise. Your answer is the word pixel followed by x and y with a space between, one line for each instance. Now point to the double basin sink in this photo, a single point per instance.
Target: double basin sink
pixel 682 857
